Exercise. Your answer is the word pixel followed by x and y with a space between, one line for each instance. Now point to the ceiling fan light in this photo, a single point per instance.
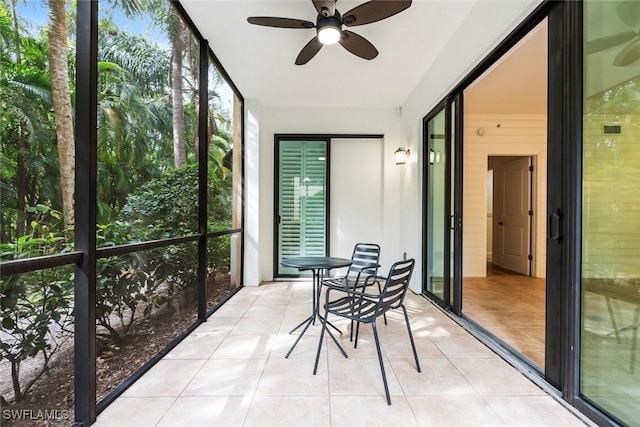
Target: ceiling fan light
pixel 328 35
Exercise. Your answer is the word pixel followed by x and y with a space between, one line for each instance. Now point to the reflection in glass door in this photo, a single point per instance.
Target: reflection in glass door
pixel 437 216
pixel 610 297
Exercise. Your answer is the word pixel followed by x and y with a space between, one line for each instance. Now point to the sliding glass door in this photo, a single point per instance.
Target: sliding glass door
pixel 440 221
pixel 436 218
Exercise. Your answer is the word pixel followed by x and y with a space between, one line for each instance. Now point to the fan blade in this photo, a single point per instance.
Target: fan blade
pixel 326 6
pixel 629 12
pixel 358 45
pixel 628 55
pixel 607 42
pixel 309 51
pixel 373 11
pixel 269 21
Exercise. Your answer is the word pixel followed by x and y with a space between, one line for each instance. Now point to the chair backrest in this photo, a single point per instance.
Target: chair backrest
pixel 364 260
pixel 396 285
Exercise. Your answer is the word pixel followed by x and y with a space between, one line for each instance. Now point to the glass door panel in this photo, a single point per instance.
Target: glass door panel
pixel 437 214
pixel 610 295
pixel 453 218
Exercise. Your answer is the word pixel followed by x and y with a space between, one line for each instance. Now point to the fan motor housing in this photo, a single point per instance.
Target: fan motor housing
pixel 329 21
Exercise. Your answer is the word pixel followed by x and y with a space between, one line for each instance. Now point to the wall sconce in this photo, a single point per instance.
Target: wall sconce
pixel 402 154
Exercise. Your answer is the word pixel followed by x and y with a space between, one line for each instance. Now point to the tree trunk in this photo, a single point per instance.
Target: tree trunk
pixel 16 31
pixel 15 379
pixel 195 77
pixel 179 149
pixel 22 186
pixel 63 112
pixel 196 139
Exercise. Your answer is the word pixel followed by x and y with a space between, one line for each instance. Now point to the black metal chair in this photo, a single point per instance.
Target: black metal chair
pixel 364 262
pixel 363 307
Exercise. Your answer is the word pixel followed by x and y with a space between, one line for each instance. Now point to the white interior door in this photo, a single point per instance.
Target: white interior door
pixel 512 211
pixel 355 207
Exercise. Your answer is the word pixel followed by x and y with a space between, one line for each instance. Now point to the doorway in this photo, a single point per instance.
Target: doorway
pixel 510 213
pixel 504 246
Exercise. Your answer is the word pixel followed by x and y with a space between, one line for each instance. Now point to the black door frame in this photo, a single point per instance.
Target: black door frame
pixel 426 238
pixel 327 137
pixel 278 140
pixel 453 159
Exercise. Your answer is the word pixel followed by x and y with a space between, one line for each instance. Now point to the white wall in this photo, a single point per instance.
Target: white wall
pixel 252 254
pixel 357 194
pixel 502 136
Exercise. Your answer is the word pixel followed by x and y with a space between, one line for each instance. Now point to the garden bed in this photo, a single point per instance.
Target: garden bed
pixel 50 401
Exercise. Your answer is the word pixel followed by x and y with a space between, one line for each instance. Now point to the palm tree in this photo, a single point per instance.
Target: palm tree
pixel 63 112
pixel 180 39
pixel 26 131
pixel 176 32
pixel 134 124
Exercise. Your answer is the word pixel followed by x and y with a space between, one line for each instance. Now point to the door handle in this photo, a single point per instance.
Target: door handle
pixel 501 223
pixel 554 228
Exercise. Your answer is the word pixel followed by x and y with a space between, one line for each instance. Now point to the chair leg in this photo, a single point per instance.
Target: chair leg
pixel 413 345
pixel 613 319
pixel 384 376
pixel 634 336
pixel 355 345
pixel 384 315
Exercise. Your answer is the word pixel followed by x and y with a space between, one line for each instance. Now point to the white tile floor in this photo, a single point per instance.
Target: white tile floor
pixel 231 371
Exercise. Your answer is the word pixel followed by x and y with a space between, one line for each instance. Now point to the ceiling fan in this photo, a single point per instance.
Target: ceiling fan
pixel 629 12
pixel 329 26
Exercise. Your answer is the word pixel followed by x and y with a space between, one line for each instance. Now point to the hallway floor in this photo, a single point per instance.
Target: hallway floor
pixel 231 371
pixel 511 306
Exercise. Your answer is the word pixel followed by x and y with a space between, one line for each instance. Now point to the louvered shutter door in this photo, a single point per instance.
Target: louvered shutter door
pixel 302 198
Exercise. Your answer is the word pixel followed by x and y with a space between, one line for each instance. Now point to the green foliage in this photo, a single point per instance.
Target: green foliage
pixel 168 205
pixel 43 238
pixel 36 316
pixel 35 308
pixel 158 278
pixel 619 100
pixel 140 196
pixel 119 291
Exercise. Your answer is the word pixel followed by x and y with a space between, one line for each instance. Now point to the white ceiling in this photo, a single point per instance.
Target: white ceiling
pixel 515 84
pixel 260 60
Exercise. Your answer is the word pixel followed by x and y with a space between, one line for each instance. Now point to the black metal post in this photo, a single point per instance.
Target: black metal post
pixel 203 149
pixel 85 211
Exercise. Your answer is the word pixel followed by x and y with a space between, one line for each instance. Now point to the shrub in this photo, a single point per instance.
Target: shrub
pixel 36 318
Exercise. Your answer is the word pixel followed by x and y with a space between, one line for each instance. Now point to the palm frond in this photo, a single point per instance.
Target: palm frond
pixel 34 83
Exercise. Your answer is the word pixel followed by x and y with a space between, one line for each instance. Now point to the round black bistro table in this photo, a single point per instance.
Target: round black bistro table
pixel 317 264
